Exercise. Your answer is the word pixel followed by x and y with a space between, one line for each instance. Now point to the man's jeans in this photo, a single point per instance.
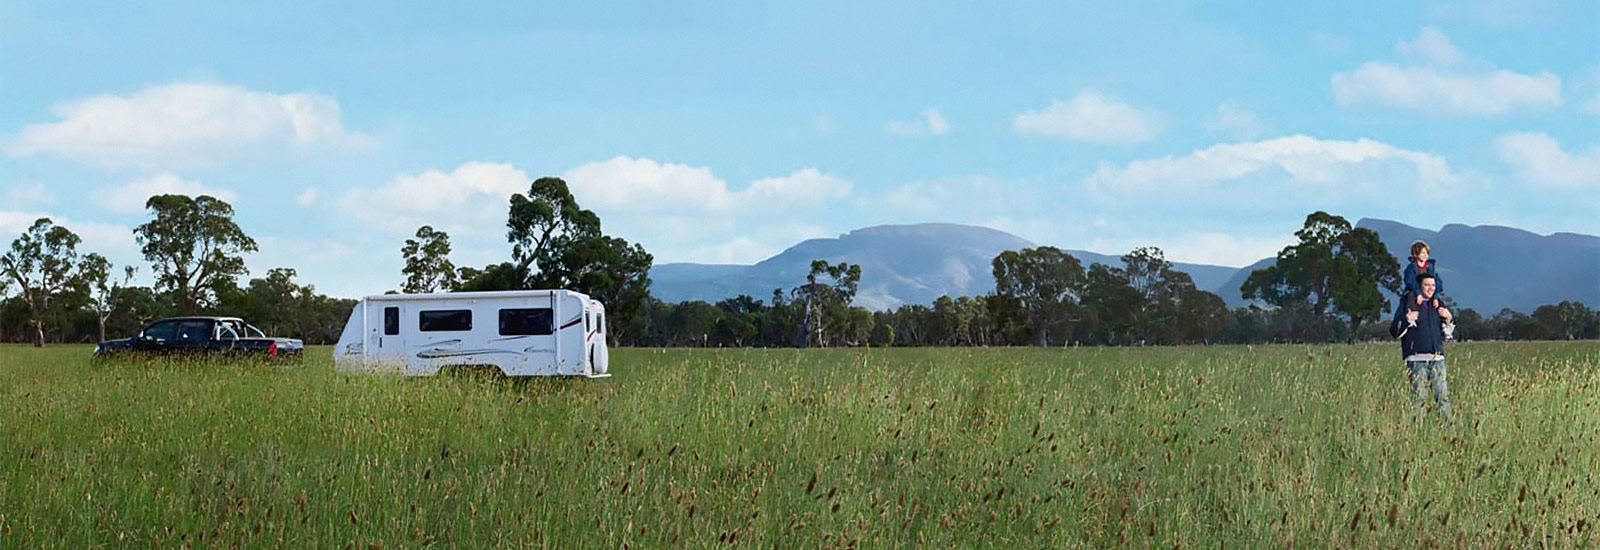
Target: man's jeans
pixel 1434 373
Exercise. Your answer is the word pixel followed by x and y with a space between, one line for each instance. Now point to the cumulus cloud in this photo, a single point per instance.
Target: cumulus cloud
pixel 747 248
pixel 953 197
pixel 1592 106
pixel 28 193
pixel 131 196
pixel 474 191
pixel 1440 80
pixel 930 123
pixel 1235 121
pixel 1431 47
pixel 179 125
pixel 1210 248
pixel 1539 160
pixel 307 197
pixel 1091 117
pixel 1289 168
pixel 625 184
pixel 115 242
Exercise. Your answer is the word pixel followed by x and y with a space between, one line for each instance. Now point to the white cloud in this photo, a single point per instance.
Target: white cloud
pixel 28 193
pixel 132 196
pixel 470 194
pixel 952 197
pixel 1091 117
pixel 1592 106
pixel 1298 167
pixel 1431 47
pixel 179 125
pixel 115 242
pixel 1540 160
pixel 930 123
pixel 1234 121
pixel 1202 247
pixel 307 197
pixel 1444 82
pixel 624 184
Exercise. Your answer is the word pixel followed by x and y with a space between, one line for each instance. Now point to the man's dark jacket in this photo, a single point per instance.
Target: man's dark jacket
pixel 1427 336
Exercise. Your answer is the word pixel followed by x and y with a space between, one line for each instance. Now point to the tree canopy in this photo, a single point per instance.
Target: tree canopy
pixel 1046 283
pixel 42 262
pixel 427 257
pixel 1333 269
pixel 192 243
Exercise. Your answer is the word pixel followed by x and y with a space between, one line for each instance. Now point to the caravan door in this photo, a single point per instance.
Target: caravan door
pixel 384 337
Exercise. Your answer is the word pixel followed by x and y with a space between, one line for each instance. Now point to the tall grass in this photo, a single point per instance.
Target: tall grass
pixel 1266 446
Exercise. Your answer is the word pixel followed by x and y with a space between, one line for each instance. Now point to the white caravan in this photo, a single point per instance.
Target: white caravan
pixel 522 332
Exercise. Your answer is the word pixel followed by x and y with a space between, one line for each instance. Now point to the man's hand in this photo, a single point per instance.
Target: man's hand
pixel 1445 314
pixel 1411 317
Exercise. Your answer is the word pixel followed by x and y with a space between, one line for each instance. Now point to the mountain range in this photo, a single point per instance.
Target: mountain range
pixel 1485 267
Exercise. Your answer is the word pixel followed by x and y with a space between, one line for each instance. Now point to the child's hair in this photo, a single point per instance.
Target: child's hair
pixel 1417 248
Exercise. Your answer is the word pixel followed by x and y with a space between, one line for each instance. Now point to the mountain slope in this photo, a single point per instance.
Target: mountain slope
pixel 1486 268
pixel 900 264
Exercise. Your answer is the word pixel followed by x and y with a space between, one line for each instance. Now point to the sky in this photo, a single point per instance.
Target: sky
pixel 726 132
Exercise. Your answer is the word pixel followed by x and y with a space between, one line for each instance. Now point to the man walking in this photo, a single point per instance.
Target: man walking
pixel 1419 324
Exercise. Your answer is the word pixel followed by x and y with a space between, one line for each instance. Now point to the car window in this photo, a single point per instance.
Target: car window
pixel 193 331
pixel 225 331
pixel 255 332
pixel 164 330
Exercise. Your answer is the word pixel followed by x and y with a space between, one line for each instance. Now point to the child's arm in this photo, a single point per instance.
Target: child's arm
pixel 1438 282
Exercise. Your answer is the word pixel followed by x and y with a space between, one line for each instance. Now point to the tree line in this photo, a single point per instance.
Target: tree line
pixel 196 254
pixel 1326 287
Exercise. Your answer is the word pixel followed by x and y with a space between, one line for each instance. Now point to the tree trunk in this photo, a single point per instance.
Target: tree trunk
pixel 38 331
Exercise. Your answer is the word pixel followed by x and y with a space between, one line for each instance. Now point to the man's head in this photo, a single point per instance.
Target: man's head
pixel 1419 251
pixel 1427 284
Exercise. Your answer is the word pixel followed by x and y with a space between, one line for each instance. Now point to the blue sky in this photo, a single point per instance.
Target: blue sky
pixel 725 132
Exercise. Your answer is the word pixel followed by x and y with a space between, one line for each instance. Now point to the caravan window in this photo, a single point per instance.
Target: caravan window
pixel 391 321
pixel 527 322
pixel 444 320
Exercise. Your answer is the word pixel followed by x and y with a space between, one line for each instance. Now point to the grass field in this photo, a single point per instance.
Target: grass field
pixel 1266 446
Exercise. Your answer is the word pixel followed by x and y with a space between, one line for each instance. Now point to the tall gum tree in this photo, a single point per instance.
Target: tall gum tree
pixel 1045 281
pixel 1335 268
pixel 191 244
pixel 428 267
pixel 42 263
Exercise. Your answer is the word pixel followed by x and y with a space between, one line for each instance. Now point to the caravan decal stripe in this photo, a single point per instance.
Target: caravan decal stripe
pixel 572 322
pixel 436 354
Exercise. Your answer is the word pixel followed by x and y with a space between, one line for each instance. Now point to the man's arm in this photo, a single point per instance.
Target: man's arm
pixel 1398 326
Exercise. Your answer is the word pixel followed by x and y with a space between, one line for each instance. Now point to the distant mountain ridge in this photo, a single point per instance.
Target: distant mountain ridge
pixel 1485 267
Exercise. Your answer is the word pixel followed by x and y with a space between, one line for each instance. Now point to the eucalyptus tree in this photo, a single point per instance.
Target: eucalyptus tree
pixel 43 263
pixel 827 295
pixel 1334 268
pixel 428 267
pixel 191 244
pixel 545 221
pixel 1045 282
pixel 104 288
